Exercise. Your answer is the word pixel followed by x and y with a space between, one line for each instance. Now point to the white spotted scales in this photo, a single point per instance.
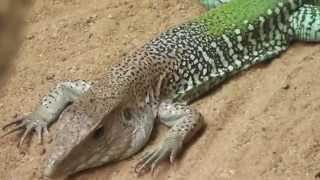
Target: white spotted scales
pixel 112 118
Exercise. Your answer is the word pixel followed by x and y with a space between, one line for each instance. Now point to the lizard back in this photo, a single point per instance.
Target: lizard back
pixel 225 40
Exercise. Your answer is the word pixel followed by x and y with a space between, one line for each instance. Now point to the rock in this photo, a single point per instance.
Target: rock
pixel 30 37
pixel 285 86
pixel 14 116
pixel 43 151
pixel 91 19
pixel 50 76
pixel 63 59
pixel 90 35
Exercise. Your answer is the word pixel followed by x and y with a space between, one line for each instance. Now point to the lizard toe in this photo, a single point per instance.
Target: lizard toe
pixel 150 160
pixel 27 125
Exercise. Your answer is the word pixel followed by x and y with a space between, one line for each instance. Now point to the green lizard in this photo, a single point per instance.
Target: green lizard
pixel 112 118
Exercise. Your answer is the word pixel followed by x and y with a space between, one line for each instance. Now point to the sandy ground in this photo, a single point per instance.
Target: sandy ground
pixel 262 124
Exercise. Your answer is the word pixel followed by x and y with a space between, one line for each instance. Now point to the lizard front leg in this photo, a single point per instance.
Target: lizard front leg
pixel 184 122
pixel 49 109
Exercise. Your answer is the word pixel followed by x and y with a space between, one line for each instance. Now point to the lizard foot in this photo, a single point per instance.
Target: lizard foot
pixel 27 124
pixel 150 160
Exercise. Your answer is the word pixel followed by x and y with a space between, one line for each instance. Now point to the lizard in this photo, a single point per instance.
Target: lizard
pixel 212 3
pixel 112 118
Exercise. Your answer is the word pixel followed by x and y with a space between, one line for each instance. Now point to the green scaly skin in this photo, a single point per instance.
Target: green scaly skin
pixel 240 34
pixel 233 15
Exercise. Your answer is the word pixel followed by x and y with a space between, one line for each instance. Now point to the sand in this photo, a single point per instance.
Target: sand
pixel 262 124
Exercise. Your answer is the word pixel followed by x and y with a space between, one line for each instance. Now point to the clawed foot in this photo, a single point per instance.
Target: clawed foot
pixel 150 160
pixel 27 124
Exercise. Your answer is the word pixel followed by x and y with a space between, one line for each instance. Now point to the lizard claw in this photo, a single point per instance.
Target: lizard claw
pixel 150 160
pixel 27 125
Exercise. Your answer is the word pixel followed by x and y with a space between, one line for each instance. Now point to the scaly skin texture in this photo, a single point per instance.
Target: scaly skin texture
pixel 233 15
pixel 305 23
pixel 213 3
pixel 112 118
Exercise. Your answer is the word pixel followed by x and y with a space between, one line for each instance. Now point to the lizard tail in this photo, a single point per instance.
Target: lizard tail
pixel 313 2
pixel 305 23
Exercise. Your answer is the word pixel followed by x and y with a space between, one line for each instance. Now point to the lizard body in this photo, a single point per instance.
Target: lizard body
pixel 112 118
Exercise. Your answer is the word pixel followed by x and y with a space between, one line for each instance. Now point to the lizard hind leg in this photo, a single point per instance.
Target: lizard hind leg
pixel 305 24
pixel 183 122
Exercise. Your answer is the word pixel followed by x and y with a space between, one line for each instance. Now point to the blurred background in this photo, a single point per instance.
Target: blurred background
pixel 12 13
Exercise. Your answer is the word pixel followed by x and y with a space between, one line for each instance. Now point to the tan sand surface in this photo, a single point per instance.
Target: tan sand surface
pixel 262 124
